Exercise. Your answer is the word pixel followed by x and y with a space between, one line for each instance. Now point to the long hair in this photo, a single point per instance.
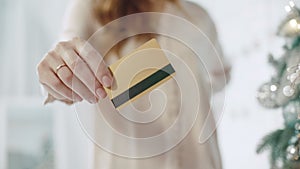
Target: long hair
pixel 108 10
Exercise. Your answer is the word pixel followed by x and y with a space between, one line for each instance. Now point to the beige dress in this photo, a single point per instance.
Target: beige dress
pixel 199 147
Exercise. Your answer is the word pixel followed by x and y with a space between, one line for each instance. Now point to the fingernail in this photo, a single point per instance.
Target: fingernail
pixel 106 81
pixel 101 93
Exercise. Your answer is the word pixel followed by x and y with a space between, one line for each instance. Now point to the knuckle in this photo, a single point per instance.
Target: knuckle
pixel 41 70
pixel 70 58
pixel 77 40
pixel 79 43
pixel 80 66
pixel 67 77
pixel 43 79
pixel 91 81
pixel 41 66
pixel 50 54
pixel 93 54
pixel 63 44
pixel 74 64
pixel 55 83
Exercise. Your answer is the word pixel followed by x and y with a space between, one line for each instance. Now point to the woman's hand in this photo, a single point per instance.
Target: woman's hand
pixel 74 71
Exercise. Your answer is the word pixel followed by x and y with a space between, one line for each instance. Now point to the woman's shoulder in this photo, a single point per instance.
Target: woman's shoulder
pixel 198 15
pixel 194 8
pixel 78 19
pixel 197 12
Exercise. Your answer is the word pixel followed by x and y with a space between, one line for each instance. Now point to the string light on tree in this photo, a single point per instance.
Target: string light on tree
pixel 293 77
pixel 292 4
pixel 290 7
pixel 290 27
pixel 284 144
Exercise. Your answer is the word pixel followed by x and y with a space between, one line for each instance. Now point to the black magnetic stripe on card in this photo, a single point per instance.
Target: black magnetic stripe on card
pixel 143 85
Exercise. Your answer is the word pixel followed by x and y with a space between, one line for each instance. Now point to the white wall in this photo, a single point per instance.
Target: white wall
pixel 2 136
pixel 28 29
pixel 247 32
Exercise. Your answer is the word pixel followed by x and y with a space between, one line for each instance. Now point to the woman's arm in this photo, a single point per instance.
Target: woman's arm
pixel 74 70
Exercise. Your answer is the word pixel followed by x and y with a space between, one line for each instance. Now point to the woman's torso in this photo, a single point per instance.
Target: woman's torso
pixel 168 101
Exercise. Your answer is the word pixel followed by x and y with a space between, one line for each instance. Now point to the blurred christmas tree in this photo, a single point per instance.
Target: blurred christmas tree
pixel 283 92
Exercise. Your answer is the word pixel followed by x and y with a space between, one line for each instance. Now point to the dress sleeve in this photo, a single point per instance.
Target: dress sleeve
pixel 78 20
pixel 220 75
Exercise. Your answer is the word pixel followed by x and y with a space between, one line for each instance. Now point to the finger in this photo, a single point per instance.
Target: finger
pixel 75 84
pixel 71 81
pixel 94 60
pixel 43 69
pixel 52 98
pixel 53 93
pixel 57 85
pixel 101 93
pixel 79 68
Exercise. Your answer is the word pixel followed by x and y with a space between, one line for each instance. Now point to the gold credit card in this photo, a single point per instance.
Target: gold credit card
pixel 138 73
